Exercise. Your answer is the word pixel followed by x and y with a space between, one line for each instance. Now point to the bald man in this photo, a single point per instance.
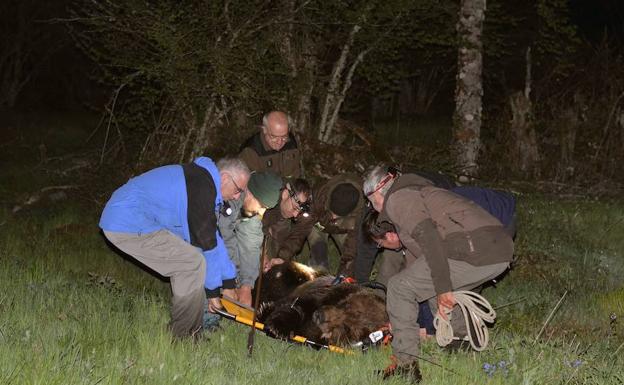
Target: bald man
pixel 274 148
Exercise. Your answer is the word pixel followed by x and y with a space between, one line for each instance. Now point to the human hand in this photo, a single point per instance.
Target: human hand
pixel 214 304
pixel 230 293
pixel 269 263
pixel 446 302
pixel 244 295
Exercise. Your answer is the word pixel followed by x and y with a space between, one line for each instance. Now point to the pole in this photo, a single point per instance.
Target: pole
pixel 250 337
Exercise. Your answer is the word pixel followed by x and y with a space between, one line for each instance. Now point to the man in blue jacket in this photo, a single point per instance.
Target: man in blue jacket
pixel 167 219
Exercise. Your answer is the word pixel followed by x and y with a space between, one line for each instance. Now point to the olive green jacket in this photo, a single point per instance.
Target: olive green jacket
pixel 285 236
pixel 348 224
pixel 258 156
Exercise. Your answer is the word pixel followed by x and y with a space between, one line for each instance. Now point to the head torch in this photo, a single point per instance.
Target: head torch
pixel 392 173
pixel 304 207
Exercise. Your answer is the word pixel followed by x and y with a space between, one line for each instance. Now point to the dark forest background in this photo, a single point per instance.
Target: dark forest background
pixel 363 80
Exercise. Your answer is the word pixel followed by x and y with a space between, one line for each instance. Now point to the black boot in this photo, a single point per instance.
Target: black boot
pixel 458 346
pixel 409 371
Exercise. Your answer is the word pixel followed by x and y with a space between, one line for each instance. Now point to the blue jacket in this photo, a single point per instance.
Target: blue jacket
pixel 500 204
pixel 158 200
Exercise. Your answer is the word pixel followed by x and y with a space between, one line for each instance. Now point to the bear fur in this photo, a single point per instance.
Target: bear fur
pixel 296 300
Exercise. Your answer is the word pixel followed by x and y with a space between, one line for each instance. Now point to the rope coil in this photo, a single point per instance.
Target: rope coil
pixel 476 311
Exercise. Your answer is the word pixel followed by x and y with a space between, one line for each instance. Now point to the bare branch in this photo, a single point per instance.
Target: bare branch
pixel 324 129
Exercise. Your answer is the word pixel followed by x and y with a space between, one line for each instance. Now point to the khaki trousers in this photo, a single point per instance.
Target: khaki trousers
pixel 183 263
pixel 413 285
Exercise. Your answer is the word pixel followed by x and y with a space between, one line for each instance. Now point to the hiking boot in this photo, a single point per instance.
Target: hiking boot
pixel 210 321
pixel 458 346
pixel 409 371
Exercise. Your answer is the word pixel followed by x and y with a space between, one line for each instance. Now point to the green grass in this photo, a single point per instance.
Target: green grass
pixel 74 312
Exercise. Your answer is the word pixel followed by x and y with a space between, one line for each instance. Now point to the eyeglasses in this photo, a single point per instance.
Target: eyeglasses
pixel 302 207
pixel 277 138
pixel 238 189
pixel 392 173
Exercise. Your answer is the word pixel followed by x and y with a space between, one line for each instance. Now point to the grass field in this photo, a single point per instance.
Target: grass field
pixel 74 312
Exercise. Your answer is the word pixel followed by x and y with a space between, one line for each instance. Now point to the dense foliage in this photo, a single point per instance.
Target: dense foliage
pixel 175 79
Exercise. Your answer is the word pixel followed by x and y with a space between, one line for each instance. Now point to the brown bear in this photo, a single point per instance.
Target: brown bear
pixel 297 300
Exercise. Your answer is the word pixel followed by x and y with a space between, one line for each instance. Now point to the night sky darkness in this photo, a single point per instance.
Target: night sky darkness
pixel 595 17
pixel 63 81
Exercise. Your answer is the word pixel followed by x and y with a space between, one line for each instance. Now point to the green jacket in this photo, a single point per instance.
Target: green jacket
pixel 285 236
pixel 349 224
pixel 258 156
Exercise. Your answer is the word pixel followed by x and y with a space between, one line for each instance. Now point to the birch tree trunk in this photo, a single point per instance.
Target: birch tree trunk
pixel 469 88
pixel 332 97
pixel 524 150
pixel 525 153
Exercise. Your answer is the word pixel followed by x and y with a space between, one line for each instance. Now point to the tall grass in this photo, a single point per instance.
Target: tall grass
pixel 74 312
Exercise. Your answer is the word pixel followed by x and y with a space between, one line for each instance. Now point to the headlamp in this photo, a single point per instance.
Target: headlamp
pixel 305 209
pixel 392 173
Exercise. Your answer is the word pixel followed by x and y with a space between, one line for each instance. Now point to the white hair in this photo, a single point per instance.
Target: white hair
pixel 373 177
pixel 233 166
pixel 265 119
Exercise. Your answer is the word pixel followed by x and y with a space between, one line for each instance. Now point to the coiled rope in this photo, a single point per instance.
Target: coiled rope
pixel 477 311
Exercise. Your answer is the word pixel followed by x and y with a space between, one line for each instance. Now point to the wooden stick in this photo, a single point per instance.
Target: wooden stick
pixel 250 337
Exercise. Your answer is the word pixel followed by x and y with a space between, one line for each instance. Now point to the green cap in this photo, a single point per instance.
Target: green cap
pixel 266 187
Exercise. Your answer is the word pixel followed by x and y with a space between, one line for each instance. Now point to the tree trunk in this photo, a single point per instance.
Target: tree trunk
pixel 332 94
pixel 304 87
pixel 469 88
pixel 214 113
pixel 568 128
pixel 524 151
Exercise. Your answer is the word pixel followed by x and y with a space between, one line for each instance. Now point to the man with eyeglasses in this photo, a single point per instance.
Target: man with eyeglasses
pixel 274 148
pixel 500 204
pixel 241 228
pixel 166 219
pixel 288 224
pixel 457 245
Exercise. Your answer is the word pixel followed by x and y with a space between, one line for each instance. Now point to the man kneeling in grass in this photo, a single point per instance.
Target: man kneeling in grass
pixel 455 244
pixel 167 219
